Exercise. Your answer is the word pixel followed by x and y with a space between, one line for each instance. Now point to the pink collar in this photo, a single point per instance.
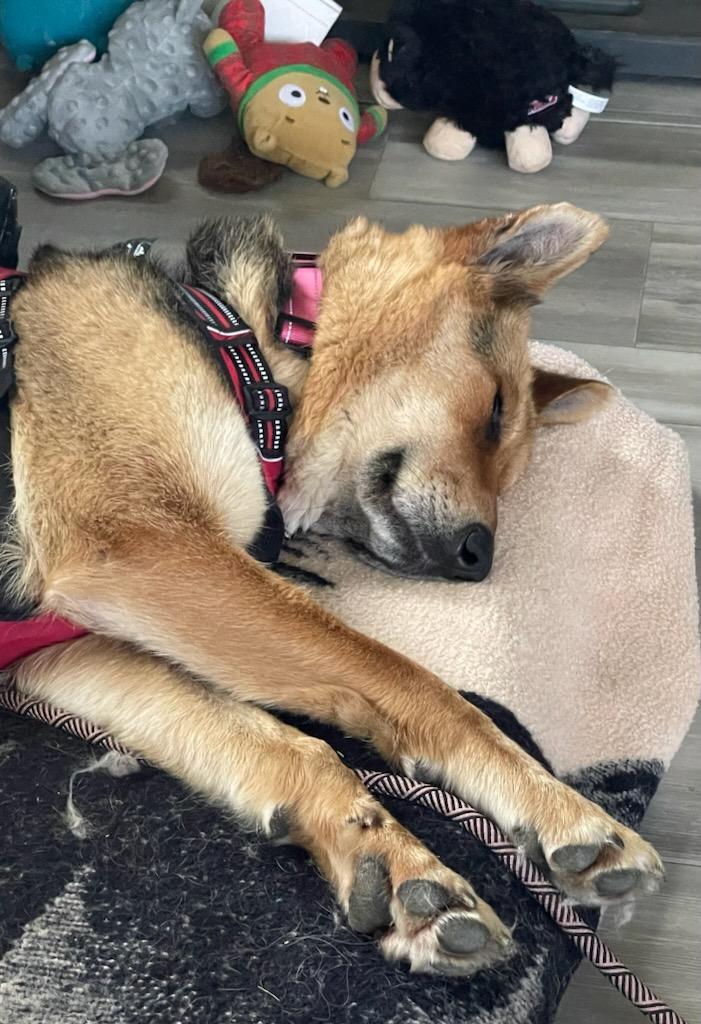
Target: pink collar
pixel 297 321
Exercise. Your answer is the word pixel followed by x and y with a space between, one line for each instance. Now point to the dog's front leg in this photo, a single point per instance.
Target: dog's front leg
pixel 291 786
pixel 196 600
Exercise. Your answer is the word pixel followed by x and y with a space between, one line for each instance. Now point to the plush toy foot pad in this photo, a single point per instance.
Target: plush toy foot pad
pixel 138 169
pixel 572 127
pixel 528 148
pixel 446 141
pixel 236 169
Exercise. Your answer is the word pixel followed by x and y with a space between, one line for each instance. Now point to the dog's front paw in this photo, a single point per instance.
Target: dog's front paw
pixel 591 857
pixel 424 913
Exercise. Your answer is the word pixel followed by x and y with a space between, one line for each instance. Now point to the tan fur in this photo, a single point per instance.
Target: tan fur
pixel 413 303
pixel 138 490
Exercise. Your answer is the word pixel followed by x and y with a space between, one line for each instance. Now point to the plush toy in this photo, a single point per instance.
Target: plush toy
pixel 97 111
pixel 295 102
pixel 504 72
pixel 33 32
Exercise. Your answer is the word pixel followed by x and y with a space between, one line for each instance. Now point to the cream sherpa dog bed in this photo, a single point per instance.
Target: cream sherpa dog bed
pixel 582 644
pixel 587 626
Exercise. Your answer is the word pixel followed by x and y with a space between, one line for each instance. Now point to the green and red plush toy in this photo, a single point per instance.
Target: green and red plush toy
pixel 295 102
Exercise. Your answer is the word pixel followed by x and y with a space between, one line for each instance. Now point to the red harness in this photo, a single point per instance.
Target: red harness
pixel 263 402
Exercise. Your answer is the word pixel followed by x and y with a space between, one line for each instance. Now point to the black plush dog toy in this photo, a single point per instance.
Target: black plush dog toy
pixel 498 72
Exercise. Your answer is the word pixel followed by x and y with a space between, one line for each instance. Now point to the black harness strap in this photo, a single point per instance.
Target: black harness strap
pixel 264 402
pixel 10 607
pixel 8 337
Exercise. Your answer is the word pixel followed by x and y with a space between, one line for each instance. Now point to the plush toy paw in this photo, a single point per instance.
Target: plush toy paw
pixel 236 169
pixel 528 148
pixel 336 177
pixel 378 87
pixel 572 127
pixel 217 44
pixel 66 177
pixel 446 141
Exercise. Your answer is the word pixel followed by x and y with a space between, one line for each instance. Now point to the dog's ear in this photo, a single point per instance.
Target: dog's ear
pixel 532 248
pixel 559 398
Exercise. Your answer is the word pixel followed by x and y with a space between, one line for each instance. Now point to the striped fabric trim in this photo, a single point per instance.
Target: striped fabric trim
pixel 448 806
pixel 225 49
pixel 379 116
pixel 11 699
pixel 568 920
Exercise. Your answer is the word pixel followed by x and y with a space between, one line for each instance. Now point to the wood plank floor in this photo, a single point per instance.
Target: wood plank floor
pixel 634 312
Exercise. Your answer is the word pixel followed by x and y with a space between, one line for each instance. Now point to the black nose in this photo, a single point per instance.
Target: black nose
pixel 465 555
pixel 475 553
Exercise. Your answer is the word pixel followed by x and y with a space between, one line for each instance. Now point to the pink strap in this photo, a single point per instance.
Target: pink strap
pixel 303 302
pixel 25 636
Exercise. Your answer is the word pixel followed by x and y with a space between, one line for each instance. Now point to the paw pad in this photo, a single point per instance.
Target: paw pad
pixel 368 906
pixel 424 898
pixel 460 936
pixel 576 858
pixel 612 884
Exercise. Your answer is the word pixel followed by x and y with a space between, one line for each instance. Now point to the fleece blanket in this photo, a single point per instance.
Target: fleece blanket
pixel 143 905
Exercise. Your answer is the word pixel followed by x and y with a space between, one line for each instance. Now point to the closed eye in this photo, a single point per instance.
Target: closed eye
pixel 386 470
pixel 493 428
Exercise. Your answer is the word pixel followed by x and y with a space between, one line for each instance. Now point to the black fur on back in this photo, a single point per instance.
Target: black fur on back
pixel 481 63
pixel 243 260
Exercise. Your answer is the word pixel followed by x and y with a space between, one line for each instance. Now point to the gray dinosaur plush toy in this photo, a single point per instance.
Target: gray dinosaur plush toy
pixel 97 111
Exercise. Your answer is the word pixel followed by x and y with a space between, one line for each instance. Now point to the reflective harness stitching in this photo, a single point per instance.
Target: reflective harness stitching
pixel 10 281
pixel 264 402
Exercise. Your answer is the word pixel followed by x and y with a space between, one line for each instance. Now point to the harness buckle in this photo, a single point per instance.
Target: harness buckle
pixel 9 285
pixel 8 335
pixel 256 401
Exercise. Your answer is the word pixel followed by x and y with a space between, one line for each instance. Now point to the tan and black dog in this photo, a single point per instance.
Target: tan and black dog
pixel 138 491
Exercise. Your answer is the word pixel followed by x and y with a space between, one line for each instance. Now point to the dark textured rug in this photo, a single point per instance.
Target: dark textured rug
pixel 167 912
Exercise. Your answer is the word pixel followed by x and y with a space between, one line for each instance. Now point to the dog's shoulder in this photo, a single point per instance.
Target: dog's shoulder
pixel 77 273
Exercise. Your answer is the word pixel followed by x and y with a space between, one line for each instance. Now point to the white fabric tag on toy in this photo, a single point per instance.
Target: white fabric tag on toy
pixel 587 100
pixel 299 21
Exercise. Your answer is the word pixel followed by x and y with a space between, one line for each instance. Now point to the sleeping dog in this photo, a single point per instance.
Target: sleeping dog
pixel 140 502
